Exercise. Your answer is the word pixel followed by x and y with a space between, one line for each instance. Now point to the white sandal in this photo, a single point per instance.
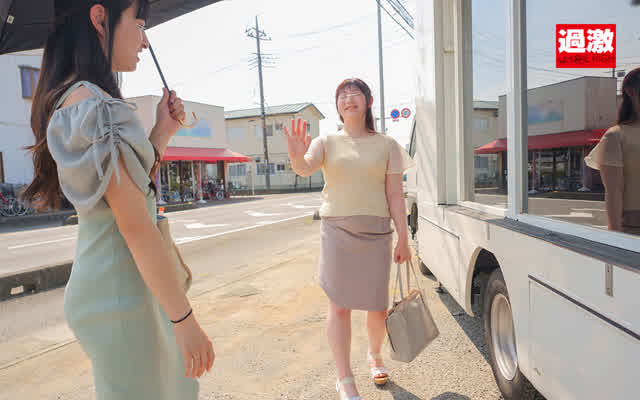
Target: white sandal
pixel 340 388
pixel 380 375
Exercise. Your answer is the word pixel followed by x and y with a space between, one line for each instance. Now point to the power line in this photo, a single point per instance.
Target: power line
pixel 394 19
pixel 402 11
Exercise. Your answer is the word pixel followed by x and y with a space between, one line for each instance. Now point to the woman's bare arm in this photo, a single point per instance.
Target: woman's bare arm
pixel 613 179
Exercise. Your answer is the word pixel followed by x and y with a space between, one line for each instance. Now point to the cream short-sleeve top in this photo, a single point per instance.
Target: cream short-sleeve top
pixel 620 147
pixel 355 170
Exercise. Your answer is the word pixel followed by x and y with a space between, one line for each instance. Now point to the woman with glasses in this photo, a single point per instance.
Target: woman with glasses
pixel 363 192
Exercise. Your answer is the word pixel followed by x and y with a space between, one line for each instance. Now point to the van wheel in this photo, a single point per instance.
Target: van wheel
pixel 501 341
pixel 413 220
pixel 425 270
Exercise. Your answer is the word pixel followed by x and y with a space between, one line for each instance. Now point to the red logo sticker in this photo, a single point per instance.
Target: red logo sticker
pixel 585 46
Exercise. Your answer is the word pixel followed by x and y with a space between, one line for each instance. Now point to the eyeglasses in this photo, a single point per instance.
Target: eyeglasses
pixel 345 96
pixel 141 27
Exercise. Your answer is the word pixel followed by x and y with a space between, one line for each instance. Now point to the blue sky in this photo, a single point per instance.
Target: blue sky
pixel 489 40
pixel 315 45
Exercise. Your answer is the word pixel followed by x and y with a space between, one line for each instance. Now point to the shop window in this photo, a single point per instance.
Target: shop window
pixel 569 110
pixel 484 135
pixel 29 78
pixel 237 170
pixel 261 169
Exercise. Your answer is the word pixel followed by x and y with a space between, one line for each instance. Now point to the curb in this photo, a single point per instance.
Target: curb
pixel 35 219
pixel 52 276
pixel 34 280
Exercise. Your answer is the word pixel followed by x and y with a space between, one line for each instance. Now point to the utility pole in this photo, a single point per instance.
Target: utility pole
pixel 259 35
pixel 380 67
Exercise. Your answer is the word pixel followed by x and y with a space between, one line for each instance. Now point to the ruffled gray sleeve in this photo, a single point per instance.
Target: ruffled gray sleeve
pixel 86 140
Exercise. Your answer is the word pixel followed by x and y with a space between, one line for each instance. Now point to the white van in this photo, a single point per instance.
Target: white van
pixel 558 291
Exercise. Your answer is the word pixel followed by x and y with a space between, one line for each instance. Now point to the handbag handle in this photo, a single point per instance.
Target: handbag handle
pixel 398 282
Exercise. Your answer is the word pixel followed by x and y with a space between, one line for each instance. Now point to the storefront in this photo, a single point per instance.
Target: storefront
pixel 565 120
pixel 189 174
pixel 194 165
pixel 555 161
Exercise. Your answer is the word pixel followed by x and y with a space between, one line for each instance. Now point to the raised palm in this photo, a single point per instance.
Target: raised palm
pixel 297 141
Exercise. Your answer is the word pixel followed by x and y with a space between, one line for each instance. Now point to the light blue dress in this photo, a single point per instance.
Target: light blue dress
pixel 111 311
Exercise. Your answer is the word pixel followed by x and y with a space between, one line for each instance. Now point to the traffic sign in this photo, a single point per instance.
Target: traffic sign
pixel 395 113
pixel 406 113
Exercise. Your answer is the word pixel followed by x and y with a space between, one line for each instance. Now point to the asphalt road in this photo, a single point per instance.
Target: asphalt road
pixel 28 249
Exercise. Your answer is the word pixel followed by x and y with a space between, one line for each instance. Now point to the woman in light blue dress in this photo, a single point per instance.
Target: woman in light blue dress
pixel 123 300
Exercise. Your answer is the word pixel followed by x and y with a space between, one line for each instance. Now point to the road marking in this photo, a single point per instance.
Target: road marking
pixel 21 246
pixel 193 239
pixel 299 206
pixel 199 225
pixel 261 214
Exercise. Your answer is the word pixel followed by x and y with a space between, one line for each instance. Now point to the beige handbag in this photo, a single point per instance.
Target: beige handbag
pixel 182 270
pixel 410 326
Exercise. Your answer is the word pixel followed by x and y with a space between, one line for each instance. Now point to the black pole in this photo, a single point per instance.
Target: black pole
pixel 155 60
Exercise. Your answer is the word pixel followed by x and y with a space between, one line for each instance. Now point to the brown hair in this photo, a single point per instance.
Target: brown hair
pixel 364 88
pixel 72 53
pixel 631 83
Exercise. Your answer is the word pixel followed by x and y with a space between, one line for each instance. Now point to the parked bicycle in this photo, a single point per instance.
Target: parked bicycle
pixel 10 206
pixel 215 190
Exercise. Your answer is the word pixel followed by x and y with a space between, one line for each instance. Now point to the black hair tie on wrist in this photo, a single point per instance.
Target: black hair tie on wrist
pixel 183 318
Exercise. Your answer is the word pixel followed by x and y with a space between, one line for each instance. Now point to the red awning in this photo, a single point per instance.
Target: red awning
pixel 496 146
pixel 551 141
pixel 202 154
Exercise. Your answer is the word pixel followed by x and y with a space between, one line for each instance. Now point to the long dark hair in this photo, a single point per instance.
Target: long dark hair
pixel 72 53
pixel 364 88
pixel 631 83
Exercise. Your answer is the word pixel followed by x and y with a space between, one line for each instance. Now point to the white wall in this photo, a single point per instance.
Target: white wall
pixel 243 139
pixel 586 103
pixel 15 114
pixel 210 117
pixel 428 90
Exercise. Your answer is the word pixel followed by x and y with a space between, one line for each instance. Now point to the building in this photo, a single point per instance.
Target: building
pixel 244 134
pixel 195 163
pixel 485 130
pixel 19 73
pixel 564 122
pixel 195 156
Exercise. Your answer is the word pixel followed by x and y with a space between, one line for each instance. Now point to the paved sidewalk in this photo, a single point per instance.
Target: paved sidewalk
pixel 267 320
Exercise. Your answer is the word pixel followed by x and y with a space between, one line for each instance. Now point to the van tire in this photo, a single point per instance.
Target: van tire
pixel 515 386
pixel 413 220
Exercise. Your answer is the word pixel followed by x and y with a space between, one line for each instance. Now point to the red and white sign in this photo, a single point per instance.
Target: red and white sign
pixel 585 46
pixel 406 113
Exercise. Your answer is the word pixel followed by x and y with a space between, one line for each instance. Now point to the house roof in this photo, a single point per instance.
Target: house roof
pixel 275 110
pixel 485 105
